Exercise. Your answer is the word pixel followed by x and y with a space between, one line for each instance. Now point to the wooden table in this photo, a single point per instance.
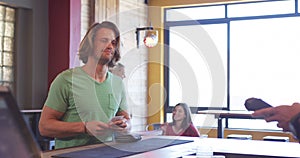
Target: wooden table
pixel 221 114
pixel 231 148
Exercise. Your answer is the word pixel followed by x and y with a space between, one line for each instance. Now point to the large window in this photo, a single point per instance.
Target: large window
pixel 256 44
pixel 7 27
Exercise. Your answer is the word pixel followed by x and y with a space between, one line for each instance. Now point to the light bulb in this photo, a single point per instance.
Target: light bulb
pixel 151 38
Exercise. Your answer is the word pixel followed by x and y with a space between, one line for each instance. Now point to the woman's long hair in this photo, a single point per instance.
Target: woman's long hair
pixel 188 119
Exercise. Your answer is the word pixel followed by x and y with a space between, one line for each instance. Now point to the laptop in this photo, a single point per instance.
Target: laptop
pixel 16 138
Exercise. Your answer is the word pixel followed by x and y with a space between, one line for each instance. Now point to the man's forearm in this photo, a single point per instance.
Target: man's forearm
pixel 60 129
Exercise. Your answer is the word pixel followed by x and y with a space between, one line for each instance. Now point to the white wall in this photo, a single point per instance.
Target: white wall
pixel 133 14
pixel 129 15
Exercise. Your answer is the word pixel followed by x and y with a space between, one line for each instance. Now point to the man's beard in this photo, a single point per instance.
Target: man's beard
pixel 103 60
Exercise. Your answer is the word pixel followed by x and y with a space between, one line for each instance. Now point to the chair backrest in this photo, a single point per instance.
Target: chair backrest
pixel 153 126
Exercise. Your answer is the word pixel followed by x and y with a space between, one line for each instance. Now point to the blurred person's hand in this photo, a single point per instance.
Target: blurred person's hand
pixel 282 114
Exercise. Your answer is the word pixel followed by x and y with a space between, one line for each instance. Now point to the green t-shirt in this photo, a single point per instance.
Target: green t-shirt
pixel 81 99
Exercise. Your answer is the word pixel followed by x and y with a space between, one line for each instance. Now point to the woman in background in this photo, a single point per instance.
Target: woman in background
pixel 182 123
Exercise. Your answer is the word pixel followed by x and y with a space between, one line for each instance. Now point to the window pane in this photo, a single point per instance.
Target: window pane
pixel 1 59
pixel 8 74
pixel 265 61
pixel 10 15
pixel 2 13
pixel 188 51
pixel 196 13
pixel 9 29
pixel 8 44
pixel 204 120
pixel 169 117
pixel 8 59
pixel 261 8
pixel 2 28
pixel 1 41
pixel 184 56
pixel 298 7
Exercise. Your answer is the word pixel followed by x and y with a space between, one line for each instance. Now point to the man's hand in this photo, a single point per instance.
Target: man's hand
pixel 118 123
pixel 282 114
pixel 97 128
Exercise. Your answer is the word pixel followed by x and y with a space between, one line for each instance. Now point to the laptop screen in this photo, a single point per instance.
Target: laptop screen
pixel 16 138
